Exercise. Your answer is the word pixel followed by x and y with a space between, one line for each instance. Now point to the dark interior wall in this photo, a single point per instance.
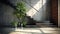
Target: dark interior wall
pixel 54 11
pixel 6 14
pixel 48 10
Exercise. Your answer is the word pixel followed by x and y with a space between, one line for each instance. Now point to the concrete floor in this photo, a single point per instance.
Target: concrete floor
pixel 47 30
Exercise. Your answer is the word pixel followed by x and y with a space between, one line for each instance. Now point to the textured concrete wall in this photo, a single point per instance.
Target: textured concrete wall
pixel 42 13
pixel 6 16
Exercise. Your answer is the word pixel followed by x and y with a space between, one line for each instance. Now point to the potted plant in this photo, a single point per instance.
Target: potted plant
pixel 20 13
pixel 14 24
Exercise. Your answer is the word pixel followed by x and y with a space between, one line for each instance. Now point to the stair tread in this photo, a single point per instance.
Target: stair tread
pixel 44 23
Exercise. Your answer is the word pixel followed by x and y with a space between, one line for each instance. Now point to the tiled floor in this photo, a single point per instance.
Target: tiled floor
pixel 31 31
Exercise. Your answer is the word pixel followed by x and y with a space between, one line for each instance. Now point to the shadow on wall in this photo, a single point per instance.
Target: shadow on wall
pixel 6 12
pixel 42 13
pixel 30 3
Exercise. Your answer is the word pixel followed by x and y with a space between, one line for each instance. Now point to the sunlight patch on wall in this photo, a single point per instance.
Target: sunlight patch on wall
pixel 38 5
pixel 32 11
pixel 44 1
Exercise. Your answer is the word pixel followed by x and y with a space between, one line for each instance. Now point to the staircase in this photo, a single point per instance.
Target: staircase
pixel 33 22
pixel 30 20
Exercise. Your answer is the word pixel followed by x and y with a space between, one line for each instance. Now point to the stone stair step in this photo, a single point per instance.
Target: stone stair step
pixel 45 23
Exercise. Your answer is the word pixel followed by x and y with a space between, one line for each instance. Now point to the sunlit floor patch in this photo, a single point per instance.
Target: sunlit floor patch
pixel 32 30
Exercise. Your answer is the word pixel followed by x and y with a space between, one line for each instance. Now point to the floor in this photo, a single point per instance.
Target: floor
pixel 47 30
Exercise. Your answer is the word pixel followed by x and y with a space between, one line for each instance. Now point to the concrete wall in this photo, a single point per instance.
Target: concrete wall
pixel 6 12
pixel 42 12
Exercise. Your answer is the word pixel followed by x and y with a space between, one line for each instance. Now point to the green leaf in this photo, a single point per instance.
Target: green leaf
pixel 14 23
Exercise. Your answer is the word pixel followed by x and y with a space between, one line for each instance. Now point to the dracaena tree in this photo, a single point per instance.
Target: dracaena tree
pixel 20 13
